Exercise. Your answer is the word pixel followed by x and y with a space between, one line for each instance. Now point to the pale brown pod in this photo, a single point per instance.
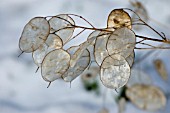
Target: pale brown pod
pixel 146 97
pixel 119 18
pixel 161 69
pixel 34 34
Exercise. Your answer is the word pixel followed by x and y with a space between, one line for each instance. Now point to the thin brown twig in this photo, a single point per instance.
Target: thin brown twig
pixel 153 48
pixel 153 39
pixel 75 36
pixel 83 19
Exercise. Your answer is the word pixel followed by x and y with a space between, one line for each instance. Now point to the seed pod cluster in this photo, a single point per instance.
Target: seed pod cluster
pixel 112 48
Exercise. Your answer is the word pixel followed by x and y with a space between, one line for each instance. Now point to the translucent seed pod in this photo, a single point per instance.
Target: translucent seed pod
pixel 115 71
pixel 62 26
pixel 55 64
pixel 34 34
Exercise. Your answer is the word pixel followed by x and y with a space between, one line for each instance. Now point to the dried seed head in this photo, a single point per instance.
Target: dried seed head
pixel 119 18
pixel 53 42
pixel 79 67
pixel 115 71
pixel 122 41
pixel 62 26
pixel 34 34
pixel 55 64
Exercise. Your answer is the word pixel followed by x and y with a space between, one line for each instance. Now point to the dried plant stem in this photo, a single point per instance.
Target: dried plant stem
pixel 153 39
pixel 83 19
pixel 164 40
pixel 153 48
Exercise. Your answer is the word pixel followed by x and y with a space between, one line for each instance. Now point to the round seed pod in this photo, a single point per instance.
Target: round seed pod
pixel 60 25
pixel 55 64
pixel 119 18
pixel 34 34
pixel 115 71
pixel 146 97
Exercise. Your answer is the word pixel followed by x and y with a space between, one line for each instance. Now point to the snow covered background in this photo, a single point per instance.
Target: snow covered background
pixel 24 91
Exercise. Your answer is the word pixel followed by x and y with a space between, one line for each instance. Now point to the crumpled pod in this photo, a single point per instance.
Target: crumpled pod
pixel 119 18
pixel 59 24
pixel 115 71
pixel 146 97
pixel 79 67
pixel 122 41
pixel 34 34
pixel 55 64
pixel 53 42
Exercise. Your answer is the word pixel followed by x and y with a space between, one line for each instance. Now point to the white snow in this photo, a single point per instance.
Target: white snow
pixel 24 91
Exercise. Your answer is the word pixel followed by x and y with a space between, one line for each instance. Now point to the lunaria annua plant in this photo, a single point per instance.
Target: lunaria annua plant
pixel 112 48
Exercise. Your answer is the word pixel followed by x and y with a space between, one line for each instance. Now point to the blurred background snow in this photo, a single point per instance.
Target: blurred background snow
pixel 22 90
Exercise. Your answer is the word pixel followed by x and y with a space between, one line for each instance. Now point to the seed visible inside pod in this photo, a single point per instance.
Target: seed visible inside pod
pixel 119 18
pixel 34 34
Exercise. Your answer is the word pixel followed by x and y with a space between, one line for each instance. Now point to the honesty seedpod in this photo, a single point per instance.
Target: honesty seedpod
pixel 146 97
pixel 111 48
pixel 34 34
pixel 53 42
